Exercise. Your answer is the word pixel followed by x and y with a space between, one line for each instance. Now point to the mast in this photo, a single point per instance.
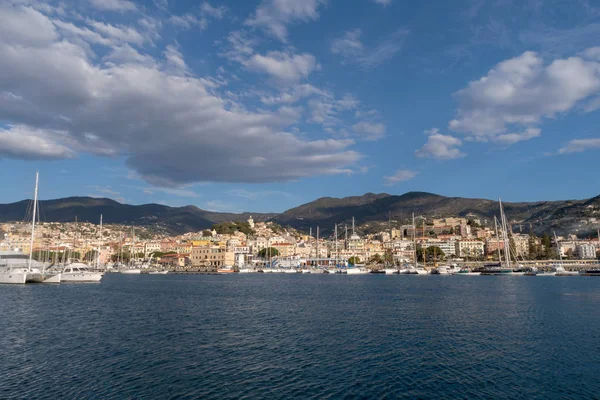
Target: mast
pixel 498 240
pixel 505 235
pixel 317 262
pixel 558 248
pixel 132 246
pixel 310 242
pixel 99 245
pixel 336 244
pixel 414 238
pixel 35 196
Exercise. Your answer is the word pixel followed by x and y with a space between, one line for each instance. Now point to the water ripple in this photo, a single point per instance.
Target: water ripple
pixel 299 336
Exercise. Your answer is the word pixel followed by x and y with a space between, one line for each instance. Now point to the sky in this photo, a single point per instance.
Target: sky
pixel 263 105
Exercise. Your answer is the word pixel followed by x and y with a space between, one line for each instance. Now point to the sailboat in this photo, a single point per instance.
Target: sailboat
pixel 500 268
pixel 132 270
pixel 16 267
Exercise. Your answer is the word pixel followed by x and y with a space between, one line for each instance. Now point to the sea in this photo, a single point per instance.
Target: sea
pixel 300 336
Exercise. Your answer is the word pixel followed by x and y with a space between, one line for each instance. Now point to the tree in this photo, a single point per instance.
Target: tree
pixel 206 233
pixel 268 251
pixel 547 246
pixel 569 253
pixel 432 253
pixel 376 259
pixel 353 260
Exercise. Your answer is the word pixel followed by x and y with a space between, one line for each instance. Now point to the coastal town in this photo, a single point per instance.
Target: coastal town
pixel 249 244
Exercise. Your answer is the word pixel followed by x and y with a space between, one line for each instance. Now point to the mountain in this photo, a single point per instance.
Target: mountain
pixel 371 212
pixel 87 209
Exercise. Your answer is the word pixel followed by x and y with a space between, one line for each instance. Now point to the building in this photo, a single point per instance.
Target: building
pixel 586 251
pixel 469 248
pixel 447 246
pixel 211 256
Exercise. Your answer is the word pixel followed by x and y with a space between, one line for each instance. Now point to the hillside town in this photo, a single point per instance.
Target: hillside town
pixel 237 244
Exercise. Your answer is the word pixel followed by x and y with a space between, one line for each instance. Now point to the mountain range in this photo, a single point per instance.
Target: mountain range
pixel 371 212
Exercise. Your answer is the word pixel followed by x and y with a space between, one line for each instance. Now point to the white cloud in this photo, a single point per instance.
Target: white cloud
pixel 580 145
pixel 348 45
pixel 215 12
pixel 161 123
pixel 24 25
pixel 275 15
pixel 23 142
pixel 175 61
pixel 113 5
pixel 369 130
pixel 384 3
pixel 187 21
pixel 293 95
pixel 120 33
pixel 440 147
pixel 512 138
pixel 240 46
pixel 283 66
pixel 126 54
pixel 522 91
pixel 352 50
pixel 399 176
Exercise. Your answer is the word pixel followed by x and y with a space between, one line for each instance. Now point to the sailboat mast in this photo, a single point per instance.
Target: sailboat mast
pixel 505 235
pixel 498 240
pixel 558 248
pixel 35 196
pixel 414 238
pixel 317 246
pixel 336 244
pixel 99 244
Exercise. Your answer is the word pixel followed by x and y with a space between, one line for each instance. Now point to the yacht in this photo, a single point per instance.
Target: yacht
pixel 226 270
pixel 441 270
pixel 163 272
pixel 16 267
pixel 130 271
pixel 357 271
pixel 561 271
pixel 391 271
pixel 246 270
pixel 590 272
pixel 80 272
pixel 495 269
pixel 466 272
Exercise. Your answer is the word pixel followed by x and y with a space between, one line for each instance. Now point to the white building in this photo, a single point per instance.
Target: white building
pixel 469 248
pixel 447 246
pixel 586 251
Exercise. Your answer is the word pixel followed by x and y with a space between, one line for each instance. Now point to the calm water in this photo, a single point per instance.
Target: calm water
pixel 302 336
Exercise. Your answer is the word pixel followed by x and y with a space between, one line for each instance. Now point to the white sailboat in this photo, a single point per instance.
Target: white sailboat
pixel 17 268
pixel 131 270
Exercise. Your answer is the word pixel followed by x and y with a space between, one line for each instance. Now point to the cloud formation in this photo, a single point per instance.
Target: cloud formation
pixel 283 66
pixel 400 175
pixel 580 145
pixel 171 128
pixel 275 15
pixel 352 50
pixel 521 92
pixel 440 147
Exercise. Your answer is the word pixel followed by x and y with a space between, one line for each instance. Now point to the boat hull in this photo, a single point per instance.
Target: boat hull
pixel 13 277
pixel 82 277
pixel 131 271
pixel 52 278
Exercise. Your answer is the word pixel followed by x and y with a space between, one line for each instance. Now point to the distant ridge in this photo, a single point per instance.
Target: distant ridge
pixel 369 210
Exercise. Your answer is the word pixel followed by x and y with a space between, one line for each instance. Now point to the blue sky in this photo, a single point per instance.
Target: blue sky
pixel 265 105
